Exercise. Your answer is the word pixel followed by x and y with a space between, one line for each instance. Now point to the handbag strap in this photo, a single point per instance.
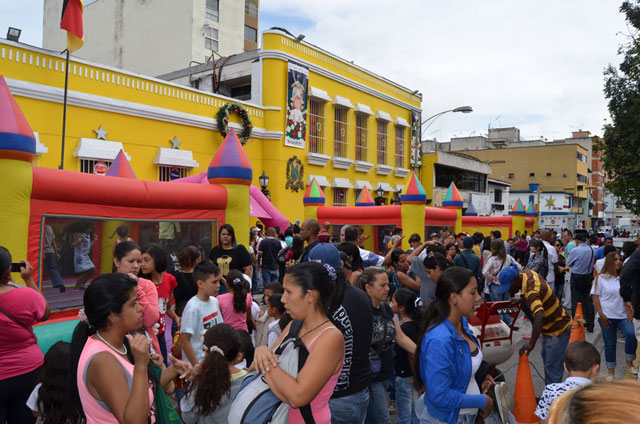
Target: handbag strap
pixel 21 324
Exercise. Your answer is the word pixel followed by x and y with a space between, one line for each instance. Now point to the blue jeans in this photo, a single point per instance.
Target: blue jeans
pixel 256 281
pixel 406 397
pixel 496 297
pixel 269 276
pixel 350 409
pixel 378 408
pixel 553 349
pixel 609 335
pixel 51 265
pixel 426 418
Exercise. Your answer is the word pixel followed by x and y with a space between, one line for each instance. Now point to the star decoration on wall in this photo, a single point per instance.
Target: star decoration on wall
pixel 551 202
pixel 175 143
pixel 101 133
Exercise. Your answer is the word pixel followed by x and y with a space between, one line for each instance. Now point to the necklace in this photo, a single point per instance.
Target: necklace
pixel 111 346
pixel 314 328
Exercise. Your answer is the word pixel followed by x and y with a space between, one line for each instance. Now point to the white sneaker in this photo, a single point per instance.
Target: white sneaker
pixel 504 399
pixel 632 370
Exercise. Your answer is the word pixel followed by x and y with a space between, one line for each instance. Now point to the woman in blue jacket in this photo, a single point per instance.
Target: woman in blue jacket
pixel 449 354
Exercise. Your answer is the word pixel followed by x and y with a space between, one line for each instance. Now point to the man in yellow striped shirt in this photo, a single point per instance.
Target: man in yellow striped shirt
pixel 549 318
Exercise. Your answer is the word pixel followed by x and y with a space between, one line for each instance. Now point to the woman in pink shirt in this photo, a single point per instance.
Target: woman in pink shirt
pixel 20 356
pixel 127 259
pixel 112 380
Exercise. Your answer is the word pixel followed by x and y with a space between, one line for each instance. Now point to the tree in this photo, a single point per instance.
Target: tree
pixel 621 146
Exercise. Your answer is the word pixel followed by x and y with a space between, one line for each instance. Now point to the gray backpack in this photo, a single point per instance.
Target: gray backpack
pixel 256 403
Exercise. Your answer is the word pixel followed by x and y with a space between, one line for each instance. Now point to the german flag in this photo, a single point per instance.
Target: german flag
pixel 72 23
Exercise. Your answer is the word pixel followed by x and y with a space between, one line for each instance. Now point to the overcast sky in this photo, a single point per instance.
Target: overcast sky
pixel 536 65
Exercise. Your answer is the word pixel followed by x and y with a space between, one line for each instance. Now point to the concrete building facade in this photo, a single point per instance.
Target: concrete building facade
pixel 157 36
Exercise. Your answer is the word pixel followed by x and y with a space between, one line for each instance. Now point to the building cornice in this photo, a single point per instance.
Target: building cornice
pixel 107 104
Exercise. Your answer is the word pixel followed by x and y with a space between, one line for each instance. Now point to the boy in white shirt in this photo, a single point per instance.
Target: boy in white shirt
pixel 201 312
pixel 275 310
pixel 582 363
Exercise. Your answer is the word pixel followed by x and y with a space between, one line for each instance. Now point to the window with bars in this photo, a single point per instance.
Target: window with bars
pixel 212 10
pixel 339 196
pixel 340 132
pixel 168 172
pixel 88 165
pixel 399 146
pixel 316 126
pixel 250 9
pixel 211 38
pixel 382 142
pixel 497 196
pixel 361 136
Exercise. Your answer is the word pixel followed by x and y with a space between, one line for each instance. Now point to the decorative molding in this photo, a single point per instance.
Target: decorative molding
pixel 277 54
pixel 107 104
pixel 341 163
pixel 319 94
pixel 41 149
pixel 384 116
pixel 341 183
pixel 321 179
pixel 363 109
pixel 360 184
pixel 383 170
pixel 362 166
pixel 342 101
pixel 401 172
pixel 175 157
pixel 317 159
pixel 92 148
pixel 385 186
pixel 402 122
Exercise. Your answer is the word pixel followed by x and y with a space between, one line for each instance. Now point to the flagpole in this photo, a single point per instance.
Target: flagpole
pixel 64 109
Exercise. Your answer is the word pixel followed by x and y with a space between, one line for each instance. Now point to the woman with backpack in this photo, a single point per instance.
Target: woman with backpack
pixel 312 293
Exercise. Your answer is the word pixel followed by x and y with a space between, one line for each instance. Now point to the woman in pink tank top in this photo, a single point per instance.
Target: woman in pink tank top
pixel 111 365
pixel 312 293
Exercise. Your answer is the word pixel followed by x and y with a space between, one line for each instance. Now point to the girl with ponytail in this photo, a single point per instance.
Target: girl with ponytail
pixel 449 355
pixel 235 304
pixel 217 382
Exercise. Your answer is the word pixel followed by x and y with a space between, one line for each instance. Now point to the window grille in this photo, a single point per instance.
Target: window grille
pixel 399 146
pixel 382 142
pixel 361 136
pixel 87 165
pixel 340 132
pixel 250 9
pixel 164 172
pixel 316 126
pixel 339 196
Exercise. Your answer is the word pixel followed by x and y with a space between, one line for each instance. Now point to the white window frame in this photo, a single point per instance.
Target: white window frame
pixel 211 38
pixel 210 13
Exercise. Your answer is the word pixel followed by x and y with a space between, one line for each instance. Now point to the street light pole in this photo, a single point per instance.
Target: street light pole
pixel 463 109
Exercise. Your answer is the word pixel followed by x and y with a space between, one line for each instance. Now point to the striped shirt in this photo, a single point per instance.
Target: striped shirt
pixel 540 298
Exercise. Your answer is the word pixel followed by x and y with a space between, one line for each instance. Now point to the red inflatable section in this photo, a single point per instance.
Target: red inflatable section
pixel 440 216
pixel 486 221
pixel 66 193
pixel 381 215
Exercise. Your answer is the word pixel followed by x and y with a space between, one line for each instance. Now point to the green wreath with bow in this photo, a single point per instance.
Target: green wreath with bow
pixel 223 120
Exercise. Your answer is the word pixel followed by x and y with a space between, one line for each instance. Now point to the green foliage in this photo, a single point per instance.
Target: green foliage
pixel 621 149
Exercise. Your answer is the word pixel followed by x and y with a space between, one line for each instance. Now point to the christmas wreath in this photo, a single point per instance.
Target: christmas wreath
pixel 223 120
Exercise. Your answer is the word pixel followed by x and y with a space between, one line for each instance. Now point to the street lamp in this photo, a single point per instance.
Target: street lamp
pixel 380 199
pixel 463 109
pixel 264 182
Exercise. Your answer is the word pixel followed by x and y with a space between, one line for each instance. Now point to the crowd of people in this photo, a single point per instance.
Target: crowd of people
pixel 341 334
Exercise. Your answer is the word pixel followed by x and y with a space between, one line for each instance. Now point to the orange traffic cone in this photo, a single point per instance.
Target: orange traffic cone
pixel 577 327
pixel 525 398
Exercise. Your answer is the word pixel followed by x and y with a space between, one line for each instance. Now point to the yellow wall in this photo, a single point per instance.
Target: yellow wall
pixel 143 135
pixel 521 161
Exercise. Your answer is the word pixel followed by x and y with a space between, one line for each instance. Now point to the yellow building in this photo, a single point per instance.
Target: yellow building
pixel 358 123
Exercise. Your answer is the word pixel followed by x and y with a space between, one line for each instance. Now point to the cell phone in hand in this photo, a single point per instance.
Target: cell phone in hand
pixel 15 266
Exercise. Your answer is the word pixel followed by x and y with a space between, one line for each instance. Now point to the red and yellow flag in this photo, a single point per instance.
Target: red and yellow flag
pixel 72 22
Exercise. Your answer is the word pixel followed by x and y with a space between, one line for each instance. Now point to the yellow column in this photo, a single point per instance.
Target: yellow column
pixel 237 211
pixel 458 225
pixel 517 223
pixel 413 216
pixel 15 193
pixel 109 243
